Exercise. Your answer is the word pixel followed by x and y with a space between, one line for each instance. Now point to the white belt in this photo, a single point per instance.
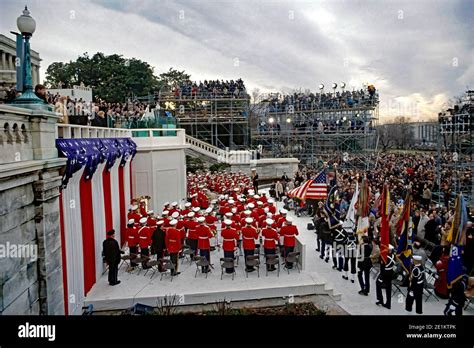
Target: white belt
pixel 143 237
pixel 203 237
pixel 131 237
pixel 228 240
pixel 248 238
pixel 269 239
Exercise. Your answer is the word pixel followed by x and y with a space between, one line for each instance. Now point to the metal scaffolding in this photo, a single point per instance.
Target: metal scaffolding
pixel 455 146
pixel 217 120
pixel 318 134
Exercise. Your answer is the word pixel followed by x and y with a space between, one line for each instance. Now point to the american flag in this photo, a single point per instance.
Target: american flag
pixel 300 191
pixel 318 188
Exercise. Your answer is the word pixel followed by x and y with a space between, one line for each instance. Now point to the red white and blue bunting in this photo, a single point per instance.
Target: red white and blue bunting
pixel 94 198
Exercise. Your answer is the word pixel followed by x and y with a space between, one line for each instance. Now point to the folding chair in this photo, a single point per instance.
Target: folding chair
pixel 127 259
pixel 166 265
pixel 153 264
pixel 227 262
pixel 396 287
pixel 187 252
pixel 140 260
pixel 293 257
pixel 468 302
pixel 428 291
pixel 252 261
pixel 236 256
pixel 201 261
pixel 272 260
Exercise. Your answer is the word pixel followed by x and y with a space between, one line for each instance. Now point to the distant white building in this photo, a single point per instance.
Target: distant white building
pixel 76 92
pixel 7 62
pixel 425 132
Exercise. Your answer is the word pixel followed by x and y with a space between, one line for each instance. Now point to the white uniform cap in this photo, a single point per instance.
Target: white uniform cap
pixel 236 189
pixel 191 214
pixel 131 221
pixel 269 214
pixel 284 211
pixel 196 209
pixel 135 207
pixel 289 219
pixel 251 205
pixel 249 220
pixel 174 204
pixel 208 210
pixel 175 215
pixel 143 220
pixel 160 222
pixel 187 205
pixel 228 214
pixel 256 196
pixel 166 203
pixel 221 197
pixel 266 210
pixel 234 210
pixel 247 212
pixel 165 212
pixel 201 219
pixel 269 222
pixel 228 222
pixel 259 203
pixel 173 222
pixel 231 201
pixel 417 258
pixel 271 201
pixel 130 207
pixel 149 212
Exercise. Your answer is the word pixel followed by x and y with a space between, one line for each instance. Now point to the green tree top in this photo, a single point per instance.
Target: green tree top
pixel 112 78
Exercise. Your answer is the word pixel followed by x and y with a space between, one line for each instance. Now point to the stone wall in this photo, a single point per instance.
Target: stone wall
pixel 30 243
pixel 19 285
pixel 269 168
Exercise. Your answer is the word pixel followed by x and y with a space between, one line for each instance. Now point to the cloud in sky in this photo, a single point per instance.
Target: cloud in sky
pixel 417 53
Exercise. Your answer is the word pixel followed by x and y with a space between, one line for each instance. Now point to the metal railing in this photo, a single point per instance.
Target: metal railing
pixel 223 156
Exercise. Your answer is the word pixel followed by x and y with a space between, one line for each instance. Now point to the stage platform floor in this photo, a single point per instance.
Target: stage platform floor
pixel 318 278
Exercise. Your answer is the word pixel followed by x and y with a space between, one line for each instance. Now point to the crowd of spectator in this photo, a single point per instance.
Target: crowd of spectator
pixel 99 113
pixel 210 89
pixel 319 101
pixel 431 215
pixel 339 124
pixel 457 119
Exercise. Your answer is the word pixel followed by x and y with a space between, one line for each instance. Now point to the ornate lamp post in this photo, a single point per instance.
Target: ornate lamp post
pixel 28 99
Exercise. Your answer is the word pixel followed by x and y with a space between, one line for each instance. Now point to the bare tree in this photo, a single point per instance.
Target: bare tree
pixel 398 134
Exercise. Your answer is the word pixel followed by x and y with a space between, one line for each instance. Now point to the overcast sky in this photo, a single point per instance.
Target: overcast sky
pixel 417 53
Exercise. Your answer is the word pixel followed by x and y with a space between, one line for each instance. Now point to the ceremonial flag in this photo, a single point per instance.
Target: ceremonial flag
pixel 404 229
pixel 300 191
pixel 318 189
pixel 384 225
pixel 330 199
pixel 311 189
pixel 364 198
pixel 350 220
pixel 456 237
